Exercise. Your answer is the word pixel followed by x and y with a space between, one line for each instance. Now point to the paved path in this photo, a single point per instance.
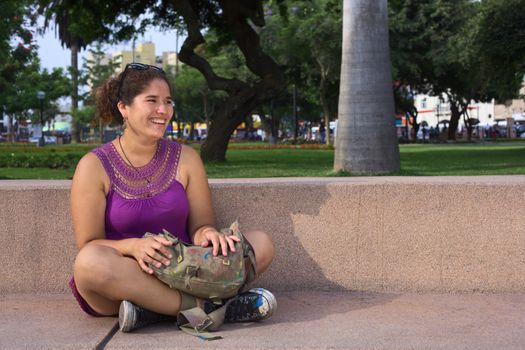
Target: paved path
pixel 305 320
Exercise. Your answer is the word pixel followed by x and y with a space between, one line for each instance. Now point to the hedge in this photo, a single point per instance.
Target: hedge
pixel 52 160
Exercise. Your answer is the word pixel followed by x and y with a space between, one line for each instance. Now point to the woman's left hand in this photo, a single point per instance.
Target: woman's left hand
pixel 217 240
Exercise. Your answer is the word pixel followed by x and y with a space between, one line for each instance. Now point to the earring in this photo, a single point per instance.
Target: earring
pixel 124 124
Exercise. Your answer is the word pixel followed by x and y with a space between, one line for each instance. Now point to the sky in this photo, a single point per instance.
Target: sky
pixel 53 55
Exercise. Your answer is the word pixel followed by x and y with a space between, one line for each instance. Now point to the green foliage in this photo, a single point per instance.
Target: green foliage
pixel 425 43
pixel 305 41
pixel 31 148
pixel 474 50
pixel 97 68
pixel 16 43
pixel 190 94
pixel 81 23
pixel 468 50
pixel 85 115
pixel 20 98
pixel 50 160
pixel 225 57
pixel 500 45
pixel 410 42
pixel 50 157
pixel 190 87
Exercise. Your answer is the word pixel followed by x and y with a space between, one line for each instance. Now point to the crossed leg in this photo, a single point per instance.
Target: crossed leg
pixel 104 277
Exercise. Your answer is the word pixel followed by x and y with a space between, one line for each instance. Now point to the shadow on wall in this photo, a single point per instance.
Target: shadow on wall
pixel 281 210
pixel 314 244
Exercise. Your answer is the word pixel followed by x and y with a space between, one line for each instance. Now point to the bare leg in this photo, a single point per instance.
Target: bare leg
pixel 104 278
pixel 263 247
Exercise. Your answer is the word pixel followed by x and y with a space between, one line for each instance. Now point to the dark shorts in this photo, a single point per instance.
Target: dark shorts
pixel 81 301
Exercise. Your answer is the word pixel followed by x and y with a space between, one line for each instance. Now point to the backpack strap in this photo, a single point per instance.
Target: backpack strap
pixel 194 321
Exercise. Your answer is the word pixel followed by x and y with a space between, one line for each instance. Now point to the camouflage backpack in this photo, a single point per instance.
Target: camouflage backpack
pixel 195 271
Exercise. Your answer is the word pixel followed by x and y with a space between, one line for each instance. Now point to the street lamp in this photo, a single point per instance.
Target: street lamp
pixel 294 102
pixel 41 95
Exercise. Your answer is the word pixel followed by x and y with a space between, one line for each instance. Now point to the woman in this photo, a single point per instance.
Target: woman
pixel 138 183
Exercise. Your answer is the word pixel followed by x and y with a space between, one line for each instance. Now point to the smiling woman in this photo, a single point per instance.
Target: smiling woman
pixel 141 183
pixel 148 113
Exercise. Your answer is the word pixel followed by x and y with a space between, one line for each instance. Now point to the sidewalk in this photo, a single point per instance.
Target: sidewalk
pixel 305 320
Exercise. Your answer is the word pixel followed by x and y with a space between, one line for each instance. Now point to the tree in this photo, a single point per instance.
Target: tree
pixel 306 42
pixel 455 65
pixel 462 49
pixel 236 22
pixel 62 16
pixel 432 54
pixel 16 50
pixel 97 68
pixel 80 23
pixel 239 20
pixel 500 46
pixel 366 139
pixel 191 96
pixel 411 37
pixel 21 96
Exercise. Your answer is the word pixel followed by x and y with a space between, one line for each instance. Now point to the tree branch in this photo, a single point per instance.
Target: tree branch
pixel 188 55
pixel 236 14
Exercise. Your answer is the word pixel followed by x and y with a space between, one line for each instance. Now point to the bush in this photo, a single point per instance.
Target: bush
pixel 299 141
pixel 51 159
pixel 30 148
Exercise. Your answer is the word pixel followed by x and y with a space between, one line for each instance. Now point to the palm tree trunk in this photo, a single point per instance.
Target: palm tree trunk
pixel 366 141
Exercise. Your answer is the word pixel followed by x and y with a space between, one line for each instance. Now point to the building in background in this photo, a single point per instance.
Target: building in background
pixel 170 61
pixel 145 53
pixel 512 109
pixel 435 110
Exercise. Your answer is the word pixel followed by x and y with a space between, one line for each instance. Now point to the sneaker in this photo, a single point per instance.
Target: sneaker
pixel 254 305
pixel 131 317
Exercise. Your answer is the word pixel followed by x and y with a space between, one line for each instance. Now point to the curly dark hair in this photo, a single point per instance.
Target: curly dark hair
pixel 134 83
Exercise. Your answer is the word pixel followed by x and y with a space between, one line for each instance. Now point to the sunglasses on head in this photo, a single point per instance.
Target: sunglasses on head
pixel 136 66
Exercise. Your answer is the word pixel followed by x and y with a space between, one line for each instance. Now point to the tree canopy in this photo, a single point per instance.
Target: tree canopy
pixel 250 53
pixel 306 42
pixel 16 43
pixel 466 50
pixel 501 46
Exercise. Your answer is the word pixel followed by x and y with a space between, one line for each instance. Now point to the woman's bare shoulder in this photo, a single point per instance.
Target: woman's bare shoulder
pixel 189 154
pixel 90 164
pixel 190 165
pixel 90 172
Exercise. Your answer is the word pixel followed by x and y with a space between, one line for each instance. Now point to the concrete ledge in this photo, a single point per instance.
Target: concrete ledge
pixel 305 320
pixel 396 234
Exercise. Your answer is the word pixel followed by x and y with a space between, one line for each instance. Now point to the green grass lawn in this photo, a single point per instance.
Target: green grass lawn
pixel 36 173
pixel 424 160
pixel 465 159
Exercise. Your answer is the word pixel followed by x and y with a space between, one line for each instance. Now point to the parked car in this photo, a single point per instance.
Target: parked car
pixel 49 140
pixel 520 130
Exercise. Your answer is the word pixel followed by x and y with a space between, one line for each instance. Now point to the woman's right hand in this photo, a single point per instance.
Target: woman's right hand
pixel 151 250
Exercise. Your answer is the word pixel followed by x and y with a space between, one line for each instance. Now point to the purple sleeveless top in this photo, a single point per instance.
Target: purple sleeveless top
pixel 145 199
